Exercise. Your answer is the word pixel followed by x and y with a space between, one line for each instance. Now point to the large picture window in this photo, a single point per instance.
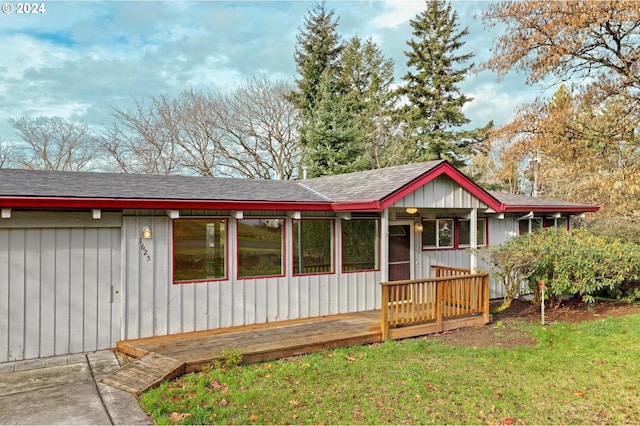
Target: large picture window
pixel 360 245
pixel 313 246
pixel 260 247
pixel 464 232
pixel 199 249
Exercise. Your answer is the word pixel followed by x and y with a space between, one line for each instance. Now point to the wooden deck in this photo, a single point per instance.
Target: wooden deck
pixel 411 308
pixel 188 352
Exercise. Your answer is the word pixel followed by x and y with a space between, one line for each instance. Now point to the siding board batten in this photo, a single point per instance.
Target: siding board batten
pixel 16 294
pixel 33 295
pixel 63 297
pixel 48 289
pixel 4 295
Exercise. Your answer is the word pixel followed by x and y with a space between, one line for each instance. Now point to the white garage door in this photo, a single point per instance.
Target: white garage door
pixel 59 290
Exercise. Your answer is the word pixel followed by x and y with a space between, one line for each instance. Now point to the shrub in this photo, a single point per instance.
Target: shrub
pixel 576 263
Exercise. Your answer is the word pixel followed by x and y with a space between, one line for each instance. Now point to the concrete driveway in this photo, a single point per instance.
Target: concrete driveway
pixel 65 390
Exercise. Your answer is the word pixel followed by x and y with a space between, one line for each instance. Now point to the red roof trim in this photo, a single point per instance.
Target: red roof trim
pixel 125 203
pixel 448 170
pixel 551 209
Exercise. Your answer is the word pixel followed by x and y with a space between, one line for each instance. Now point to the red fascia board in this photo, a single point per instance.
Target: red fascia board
pixel 551 209
pixel 108 203
pixel 456 176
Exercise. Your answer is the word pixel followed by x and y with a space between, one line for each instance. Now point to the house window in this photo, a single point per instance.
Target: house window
pixel 464 232
pixel 313 246
pixel 360 245
pixel 199 249
pixel 551 222
pixel 526 226
pixel 260 247
pixel 437 233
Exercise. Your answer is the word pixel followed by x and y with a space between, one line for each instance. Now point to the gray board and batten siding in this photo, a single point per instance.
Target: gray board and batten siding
pixel 64 271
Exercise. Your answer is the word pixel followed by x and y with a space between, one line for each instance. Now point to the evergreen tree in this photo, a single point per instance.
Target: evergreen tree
pixel 333 145
pixel 318 50
pixel 434 112
pixel 367 77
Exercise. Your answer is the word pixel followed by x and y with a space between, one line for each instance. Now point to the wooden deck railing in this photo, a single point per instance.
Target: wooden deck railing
pixel 423 306
pixel 449 271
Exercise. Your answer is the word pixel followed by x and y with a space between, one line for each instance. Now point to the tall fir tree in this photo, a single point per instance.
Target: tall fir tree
pixel 317 52
pixel 434 111
pixel 332 135
pixel 367 77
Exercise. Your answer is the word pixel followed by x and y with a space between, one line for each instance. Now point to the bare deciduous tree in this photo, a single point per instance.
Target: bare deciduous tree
pixel 54 143
pixel 7 154
pixel 260 125
pixel 250 133
pixel 145 139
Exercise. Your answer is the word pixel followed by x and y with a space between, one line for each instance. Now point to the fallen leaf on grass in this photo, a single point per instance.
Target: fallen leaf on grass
pixel 178 417
pixel 223 402
pixel 508 421
pixel 217 385
pixel 253 418
pixel 578 393
pixel 350 358
pixel 294 402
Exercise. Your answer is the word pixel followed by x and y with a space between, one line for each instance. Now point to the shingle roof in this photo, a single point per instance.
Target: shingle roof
pixel 36 183
pixel 371 184
pixel 533 202
pixel 372 189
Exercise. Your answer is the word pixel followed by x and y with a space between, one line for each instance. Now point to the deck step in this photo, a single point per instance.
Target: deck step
pixel 144 373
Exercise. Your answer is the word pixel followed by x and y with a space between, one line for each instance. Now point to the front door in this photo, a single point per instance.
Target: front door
pixel 400 254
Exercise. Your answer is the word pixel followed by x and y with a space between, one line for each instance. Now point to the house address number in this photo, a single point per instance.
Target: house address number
pixel 145 252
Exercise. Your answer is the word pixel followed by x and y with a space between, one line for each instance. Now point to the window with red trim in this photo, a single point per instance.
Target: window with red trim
pixel 360 245
pixel 437 233
pixel 313 246
pixel 451 233
pixel 464 232
pixel 260 247
pixel 199 249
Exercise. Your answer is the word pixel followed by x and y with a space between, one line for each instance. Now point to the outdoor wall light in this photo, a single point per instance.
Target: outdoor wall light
pixel 419 227
pixel 411 210
pixel 146 233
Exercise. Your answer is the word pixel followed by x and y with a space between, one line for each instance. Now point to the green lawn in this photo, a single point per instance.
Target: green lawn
pixel 587 373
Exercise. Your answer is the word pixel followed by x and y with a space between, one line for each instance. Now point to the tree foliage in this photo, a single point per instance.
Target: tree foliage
pixel 578 148
pixel 316 54
pixel 345 97
pixel 434 111
pixel 367 80
pixel 53 143
pixel 597 41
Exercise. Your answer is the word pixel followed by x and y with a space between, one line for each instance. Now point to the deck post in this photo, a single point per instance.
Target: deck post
pixel 485 289
pixel 473 243
pixel 439 303
pixel 384 312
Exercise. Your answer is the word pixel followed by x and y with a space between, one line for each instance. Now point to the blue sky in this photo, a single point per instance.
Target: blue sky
pixel 80 59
